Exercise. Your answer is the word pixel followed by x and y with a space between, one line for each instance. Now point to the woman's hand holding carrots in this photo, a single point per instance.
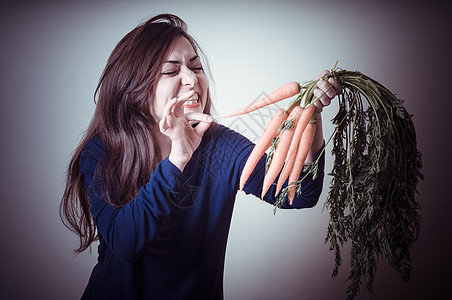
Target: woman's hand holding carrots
pixel 325 91
pixel 295 134
pixel 306 144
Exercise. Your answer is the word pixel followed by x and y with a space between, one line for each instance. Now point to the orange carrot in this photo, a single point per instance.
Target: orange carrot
pixel 290 157
pixel 262 145
pixel 288 90
pixel 302 153
pixel 300 126
pixel 295 115
pixel 281 150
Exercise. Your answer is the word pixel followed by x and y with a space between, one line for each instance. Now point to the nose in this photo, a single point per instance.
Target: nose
pixel 188 77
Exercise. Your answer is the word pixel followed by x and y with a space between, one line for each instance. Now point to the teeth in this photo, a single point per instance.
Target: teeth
pixel 192 100
pixel 194 97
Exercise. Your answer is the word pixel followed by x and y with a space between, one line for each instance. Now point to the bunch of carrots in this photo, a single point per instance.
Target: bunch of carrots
pixel 376 169
pixel 288 135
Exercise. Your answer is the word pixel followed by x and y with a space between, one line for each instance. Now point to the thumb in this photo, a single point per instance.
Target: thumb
pixel 202 127
pixel 323 73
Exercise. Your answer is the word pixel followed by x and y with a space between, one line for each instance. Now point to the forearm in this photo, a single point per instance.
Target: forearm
pixel 128 229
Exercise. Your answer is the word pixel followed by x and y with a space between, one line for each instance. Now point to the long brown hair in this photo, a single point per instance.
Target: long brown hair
pixel 123 122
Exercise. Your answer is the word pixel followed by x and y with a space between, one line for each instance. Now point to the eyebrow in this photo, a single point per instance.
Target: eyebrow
pixel 178 62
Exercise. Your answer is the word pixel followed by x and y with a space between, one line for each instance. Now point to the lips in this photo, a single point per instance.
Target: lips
pixel 193 101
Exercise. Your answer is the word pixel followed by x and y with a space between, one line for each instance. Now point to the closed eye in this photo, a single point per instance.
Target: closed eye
pixel 175 72
pixel 170 73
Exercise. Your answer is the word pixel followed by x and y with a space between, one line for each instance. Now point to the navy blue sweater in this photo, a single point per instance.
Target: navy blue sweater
pixel 170 241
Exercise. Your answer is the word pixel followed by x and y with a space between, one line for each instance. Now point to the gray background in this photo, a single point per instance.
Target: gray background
pixel 52 55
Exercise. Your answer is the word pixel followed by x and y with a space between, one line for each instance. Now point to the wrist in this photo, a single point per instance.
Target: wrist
pixel 177 162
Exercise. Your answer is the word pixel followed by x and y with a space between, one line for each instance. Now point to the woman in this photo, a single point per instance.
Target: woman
pixel 155 179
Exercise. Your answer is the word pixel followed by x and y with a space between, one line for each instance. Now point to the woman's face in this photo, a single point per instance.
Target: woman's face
pixel 180 72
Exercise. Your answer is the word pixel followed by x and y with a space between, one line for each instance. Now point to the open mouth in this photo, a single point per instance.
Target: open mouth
pixel 192 100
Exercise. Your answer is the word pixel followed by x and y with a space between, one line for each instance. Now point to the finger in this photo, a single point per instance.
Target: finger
pixel 202 127
pixel 163 125
pixel 170 120
pixel 168 109
pixel 197 116
pixel 324 99
pixel 318 106
pixel 327 88
pixel 323 73
pixel 179 106
pixel 336 85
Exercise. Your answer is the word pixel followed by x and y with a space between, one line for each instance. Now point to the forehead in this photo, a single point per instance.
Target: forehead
pixel 181 47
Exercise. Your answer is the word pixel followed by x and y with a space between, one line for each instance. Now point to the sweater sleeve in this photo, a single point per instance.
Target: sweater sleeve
pixel 128 229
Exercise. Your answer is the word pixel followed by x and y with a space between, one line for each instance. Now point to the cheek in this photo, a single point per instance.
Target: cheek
pixel 156 106
pixel 154 110
pixel 159 99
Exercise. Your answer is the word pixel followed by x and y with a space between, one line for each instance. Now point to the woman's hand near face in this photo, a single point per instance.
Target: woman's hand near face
pixel 185 139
